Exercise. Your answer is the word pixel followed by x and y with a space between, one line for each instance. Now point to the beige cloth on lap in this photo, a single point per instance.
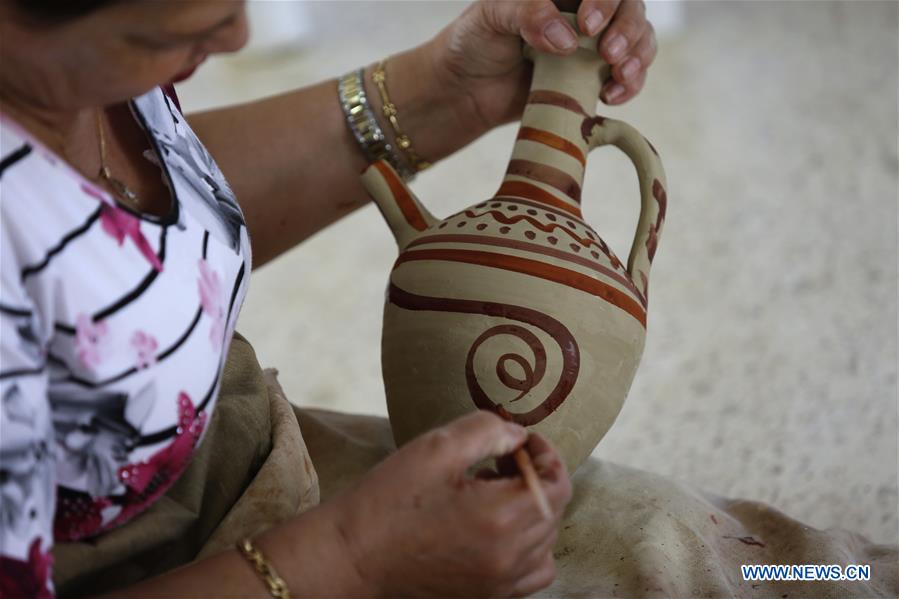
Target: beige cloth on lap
pixel 629 533
pixel 626 533
pixel 251 471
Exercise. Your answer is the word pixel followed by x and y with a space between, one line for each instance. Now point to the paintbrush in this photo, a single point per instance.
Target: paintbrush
pixel 523 460
pixel 526 467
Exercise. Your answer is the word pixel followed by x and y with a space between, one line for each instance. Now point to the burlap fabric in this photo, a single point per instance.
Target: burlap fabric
pixel 251 471
pixel 627 533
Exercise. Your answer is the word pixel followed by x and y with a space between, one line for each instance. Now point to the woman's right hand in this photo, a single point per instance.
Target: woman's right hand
pixel 419 524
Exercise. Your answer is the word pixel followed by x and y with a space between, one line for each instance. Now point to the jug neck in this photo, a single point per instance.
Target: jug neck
pixel 550 152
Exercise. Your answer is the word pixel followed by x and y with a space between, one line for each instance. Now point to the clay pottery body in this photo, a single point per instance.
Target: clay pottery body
pixel 516 305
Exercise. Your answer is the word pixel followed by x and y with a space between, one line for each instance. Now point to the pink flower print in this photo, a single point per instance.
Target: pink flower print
pixel 89 339
pixel 78 515
pixel 119 224
pixel 145 345
pixel 27 579
pixel 212 301
pixel 147 480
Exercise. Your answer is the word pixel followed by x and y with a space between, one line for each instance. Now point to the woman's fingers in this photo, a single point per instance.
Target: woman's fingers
pixel 540 539
pixel 638 59
pixel 553 474
pixel 544 28
pixel 537 550
pixel 555 482
pixel 533 536
pixel 614 93
pixel 487 474
pixel 518 504
pixel 470 439
pixel 538 445
pixel 548 463
pixel 549 466
pixel 532 546
pixel 538 578
pixel 624 32
pixel 539 22
pixel 593 15
pixel 628 43
pixel 629 75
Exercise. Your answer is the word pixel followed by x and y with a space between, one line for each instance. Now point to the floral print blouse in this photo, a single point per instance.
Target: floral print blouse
pixel 114 328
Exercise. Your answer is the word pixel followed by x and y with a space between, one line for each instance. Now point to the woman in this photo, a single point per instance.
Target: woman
pixel 125 258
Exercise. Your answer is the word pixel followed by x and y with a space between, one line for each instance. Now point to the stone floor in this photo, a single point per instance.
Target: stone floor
pixel 770 369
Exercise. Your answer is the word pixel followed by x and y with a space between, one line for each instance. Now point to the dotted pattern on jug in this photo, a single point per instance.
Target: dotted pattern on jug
pixel 559 230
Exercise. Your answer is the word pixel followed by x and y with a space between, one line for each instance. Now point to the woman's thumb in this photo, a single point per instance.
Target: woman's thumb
pixel 477 436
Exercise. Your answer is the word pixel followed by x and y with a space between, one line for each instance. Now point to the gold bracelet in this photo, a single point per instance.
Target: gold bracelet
pixel 364 126
pixel 379 76
pixel 277 588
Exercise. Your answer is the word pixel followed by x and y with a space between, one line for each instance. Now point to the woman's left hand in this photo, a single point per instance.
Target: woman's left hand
pixel 480 53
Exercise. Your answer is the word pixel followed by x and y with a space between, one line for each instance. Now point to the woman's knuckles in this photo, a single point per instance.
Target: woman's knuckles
pixel 497 16
pixel 545 575
pixel 505 521
pixel 635 85
pixel 629 68
pixel 545 461
pixel 535 15
pixel 437 443
pixel 625 31
pixel 497 566
pixel 540 577
pixel 563 485
pixel 558 493
pixel 643 52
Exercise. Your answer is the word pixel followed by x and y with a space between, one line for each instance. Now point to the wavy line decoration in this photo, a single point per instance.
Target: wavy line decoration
pixel 548 228
pixel 533 374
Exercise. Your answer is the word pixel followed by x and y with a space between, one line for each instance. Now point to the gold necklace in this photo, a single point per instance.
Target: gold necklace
pixel 118 186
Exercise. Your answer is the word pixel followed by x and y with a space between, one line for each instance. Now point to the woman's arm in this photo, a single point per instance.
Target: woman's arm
pixel 308 552
pixel 417 524
pixel 293 163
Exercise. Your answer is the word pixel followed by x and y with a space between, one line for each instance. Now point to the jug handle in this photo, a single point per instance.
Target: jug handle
pixel 653 197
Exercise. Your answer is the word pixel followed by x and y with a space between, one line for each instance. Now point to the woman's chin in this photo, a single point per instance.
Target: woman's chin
pixel 185 74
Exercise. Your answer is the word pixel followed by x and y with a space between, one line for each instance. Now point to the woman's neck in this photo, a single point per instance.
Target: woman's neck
pixel 72 134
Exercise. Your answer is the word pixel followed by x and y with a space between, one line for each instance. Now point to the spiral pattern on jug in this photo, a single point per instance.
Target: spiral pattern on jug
pixel 533 375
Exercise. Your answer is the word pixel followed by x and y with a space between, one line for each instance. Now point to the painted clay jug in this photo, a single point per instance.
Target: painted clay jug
pixel 516 305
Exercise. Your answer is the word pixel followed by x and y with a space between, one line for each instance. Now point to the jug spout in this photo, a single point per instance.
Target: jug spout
pixel 403 212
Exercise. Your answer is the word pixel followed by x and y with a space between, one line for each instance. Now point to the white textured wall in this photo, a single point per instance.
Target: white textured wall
pixel 771 364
